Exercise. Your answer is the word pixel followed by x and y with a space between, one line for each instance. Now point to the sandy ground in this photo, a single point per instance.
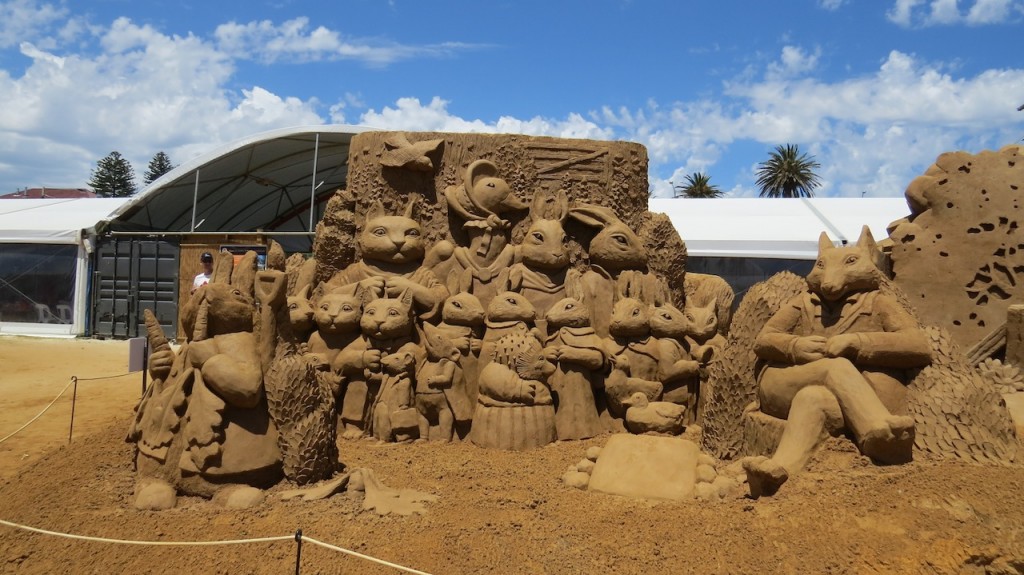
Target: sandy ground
pixel 497 513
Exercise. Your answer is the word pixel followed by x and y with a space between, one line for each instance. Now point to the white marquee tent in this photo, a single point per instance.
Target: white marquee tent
pixel 780 228
pixel 44 263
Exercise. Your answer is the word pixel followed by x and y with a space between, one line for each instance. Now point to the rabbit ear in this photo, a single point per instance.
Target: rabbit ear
pixel 561 206
pixel 593 216
pixel 540 198
pixel 304 292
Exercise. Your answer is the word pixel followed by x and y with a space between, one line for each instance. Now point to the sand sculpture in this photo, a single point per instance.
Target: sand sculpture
pixel 833 358
pixel 512 291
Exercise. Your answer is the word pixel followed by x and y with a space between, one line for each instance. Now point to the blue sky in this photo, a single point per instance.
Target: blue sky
pixel 874 90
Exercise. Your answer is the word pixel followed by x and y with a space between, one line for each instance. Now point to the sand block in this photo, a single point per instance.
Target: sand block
pixel 647 467
pixel 1015 405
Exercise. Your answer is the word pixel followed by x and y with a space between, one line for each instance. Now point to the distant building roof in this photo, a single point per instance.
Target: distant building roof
pixel 43 193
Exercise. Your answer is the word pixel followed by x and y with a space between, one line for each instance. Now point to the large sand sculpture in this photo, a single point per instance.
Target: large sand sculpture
pixel 512 291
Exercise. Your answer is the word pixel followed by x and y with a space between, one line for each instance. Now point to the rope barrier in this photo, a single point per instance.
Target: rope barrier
pixel 297 537
pixel 74 381
pixel 38 415
pixel 361 556
pixel 107 376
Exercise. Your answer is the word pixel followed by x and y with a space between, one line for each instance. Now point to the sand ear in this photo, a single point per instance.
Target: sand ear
pixel 410 205
pixel 593 216
pixel 866 243
pixel 201 329
pixel 537 206
pixel 304 292
pixel 376 211
pixel 367 296
pixel 561 206
pixel 824 242
pixel 406 297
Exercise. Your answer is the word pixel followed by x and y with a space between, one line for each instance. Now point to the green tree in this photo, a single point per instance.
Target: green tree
pixel 113 177
pixel 788 174
pixel 698 185
pixel 158 166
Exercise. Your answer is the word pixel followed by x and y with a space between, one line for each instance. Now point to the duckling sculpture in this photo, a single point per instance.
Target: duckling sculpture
pixel 643 415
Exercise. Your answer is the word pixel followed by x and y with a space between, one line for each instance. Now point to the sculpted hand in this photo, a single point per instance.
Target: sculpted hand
pixel 371 360
pixel 621 363
pixel 375 285
pixel 810 348
pixel 160 363
pixel 553 353
pixel 475 345
pixel 844 345
pixel 396 285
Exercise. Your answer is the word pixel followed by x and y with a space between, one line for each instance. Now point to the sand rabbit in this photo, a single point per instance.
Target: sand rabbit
pixel 300 313
pixel 680 367
pixel 578 354
pixel 543 273
pixel 617 255
pixel 634 354
pixel 462 321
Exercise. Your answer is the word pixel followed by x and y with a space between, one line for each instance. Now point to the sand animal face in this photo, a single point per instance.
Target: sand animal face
pixel 616 246
pixel 545 245
pixel 531 364
pixel 300 311
pixel 391 239
pixel 568 312
pixel 337 313
pixel 510 306
pixel 223 309
pixel 463 309
pixel 388 318
pixel 701 321
pixel 668 321
pixel 839 272
pixel 630 318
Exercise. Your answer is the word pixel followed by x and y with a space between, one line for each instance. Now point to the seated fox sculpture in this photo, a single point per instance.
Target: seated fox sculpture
pixel 832 359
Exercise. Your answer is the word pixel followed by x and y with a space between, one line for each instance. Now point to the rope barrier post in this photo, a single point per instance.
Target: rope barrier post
pixel 74 398
pixel 298 551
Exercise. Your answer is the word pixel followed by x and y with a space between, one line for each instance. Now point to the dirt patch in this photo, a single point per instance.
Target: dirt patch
pixel 497 513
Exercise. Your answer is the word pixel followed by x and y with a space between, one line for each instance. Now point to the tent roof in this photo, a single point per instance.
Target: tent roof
pixel 775 227
pixel 263 182
pixel 52 221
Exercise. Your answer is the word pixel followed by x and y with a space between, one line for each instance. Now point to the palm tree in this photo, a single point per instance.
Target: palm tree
pixel 788 174
pixel 698 185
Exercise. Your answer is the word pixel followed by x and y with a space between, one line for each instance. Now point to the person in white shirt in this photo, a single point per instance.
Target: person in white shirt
pixel 203 278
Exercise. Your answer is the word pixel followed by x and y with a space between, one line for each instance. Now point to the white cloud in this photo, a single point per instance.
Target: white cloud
pixel 410 114
pixel 147 91
pixel 294 40
pixel 831 5
pixel 910 13
pixel 26 18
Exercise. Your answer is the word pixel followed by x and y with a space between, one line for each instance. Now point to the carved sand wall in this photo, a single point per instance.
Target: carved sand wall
pixel 960 254
pixel 608 174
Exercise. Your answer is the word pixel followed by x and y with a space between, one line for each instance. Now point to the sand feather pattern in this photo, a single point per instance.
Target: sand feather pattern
pixel 732 381
pixel 302 406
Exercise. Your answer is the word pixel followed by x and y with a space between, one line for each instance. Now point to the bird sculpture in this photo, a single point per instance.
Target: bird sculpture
pixel 643 415
pixel 399 152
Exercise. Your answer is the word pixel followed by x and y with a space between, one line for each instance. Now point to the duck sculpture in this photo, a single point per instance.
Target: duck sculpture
pixel 643 415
